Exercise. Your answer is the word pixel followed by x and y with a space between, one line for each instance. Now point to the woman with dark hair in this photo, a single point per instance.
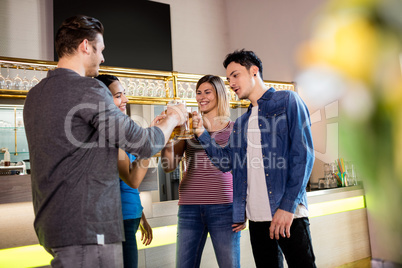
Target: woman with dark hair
pixel 205 193
pixel 128 166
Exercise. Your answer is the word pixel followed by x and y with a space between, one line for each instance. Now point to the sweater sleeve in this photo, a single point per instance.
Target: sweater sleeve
pixel 114 127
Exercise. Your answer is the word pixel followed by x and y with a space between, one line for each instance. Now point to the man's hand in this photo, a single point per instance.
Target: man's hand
pixel 280 224
pixel 158 119
pixel 179 112
pixel 198 124
pixel 237 227
pixel 175 115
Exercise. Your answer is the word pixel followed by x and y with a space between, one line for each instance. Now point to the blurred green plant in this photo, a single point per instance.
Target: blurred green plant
pixel 361 40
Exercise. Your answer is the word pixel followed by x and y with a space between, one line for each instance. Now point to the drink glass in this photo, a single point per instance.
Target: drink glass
pixel 25 80
pixel 350 169
pixel 181 91
pixel 8 81
pixel 131 87
pixel 190 91
pixel 34 80
pixel 150 89
pixel 2 80
pixel 17 84
pixel 185 131
pixel 160 91
pixel 141 88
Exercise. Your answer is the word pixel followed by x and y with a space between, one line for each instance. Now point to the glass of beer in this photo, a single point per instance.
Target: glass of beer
pixel 184 131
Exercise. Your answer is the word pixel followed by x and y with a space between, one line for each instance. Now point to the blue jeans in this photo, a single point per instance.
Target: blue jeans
pixel 194 224
pixel 81 256
pixel 130 250
pixel 297 249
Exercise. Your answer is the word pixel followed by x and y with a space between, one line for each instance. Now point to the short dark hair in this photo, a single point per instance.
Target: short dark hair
pixel 245 58
pixel 107 79
pixel 73 31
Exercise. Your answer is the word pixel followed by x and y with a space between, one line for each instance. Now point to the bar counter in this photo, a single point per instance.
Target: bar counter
pixel 338 221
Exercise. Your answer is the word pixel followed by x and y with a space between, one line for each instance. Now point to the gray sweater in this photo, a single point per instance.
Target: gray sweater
pixel 74 131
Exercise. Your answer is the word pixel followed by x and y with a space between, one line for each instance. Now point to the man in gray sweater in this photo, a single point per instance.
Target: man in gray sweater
pixel 74 131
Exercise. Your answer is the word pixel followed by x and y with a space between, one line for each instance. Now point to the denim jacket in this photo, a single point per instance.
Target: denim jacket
pixel 287 151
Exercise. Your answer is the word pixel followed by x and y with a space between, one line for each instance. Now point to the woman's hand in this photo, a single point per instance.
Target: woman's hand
pixel 198 125
pixel 146 231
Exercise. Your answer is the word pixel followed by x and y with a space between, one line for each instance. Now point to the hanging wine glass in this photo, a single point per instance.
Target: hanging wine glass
pixel 181 91
pixel 17 81
pixel 228 93
pixel 190 91
pixel 34 80
pixel 150 89
pixel 41 72
pixel 123 82
pixel 8 82
pixel 141 87
pixel 2 80
pixel 25 80
pixel 159 91
pixel 131 89
pixel 232 95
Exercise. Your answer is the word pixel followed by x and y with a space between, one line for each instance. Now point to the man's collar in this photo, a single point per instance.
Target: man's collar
pixel 266 96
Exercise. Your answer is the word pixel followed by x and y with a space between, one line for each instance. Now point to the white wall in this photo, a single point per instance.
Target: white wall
pixel 199 35
pixel 26 29
pixel 273 30
pixel 205 31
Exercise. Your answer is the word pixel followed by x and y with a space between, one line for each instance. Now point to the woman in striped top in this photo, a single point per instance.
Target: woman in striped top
pixel 205 193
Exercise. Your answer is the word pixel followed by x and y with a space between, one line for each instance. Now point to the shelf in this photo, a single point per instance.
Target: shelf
pixel 14 153
pixel 13 128
pixel 173 82
pixel 21 94
pixel 13 94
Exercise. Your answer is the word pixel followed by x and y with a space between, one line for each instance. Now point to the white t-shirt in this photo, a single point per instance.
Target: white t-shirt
pixel 258 207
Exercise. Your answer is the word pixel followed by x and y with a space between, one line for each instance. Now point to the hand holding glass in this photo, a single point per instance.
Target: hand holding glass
pixel 183 130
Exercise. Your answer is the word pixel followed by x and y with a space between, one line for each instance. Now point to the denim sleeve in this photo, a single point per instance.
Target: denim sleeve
pixel 301 153
pixel 219 156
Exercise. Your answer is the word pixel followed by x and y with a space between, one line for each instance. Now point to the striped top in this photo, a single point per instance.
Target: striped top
pixel 203 183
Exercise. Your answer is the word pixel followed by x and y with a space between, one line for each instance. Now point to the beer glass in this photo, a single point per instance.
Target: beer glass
pixel 185 131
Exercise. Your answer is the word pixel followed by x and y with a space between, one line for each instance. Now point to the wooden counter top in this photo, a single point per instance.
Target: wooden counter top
pixel 15 188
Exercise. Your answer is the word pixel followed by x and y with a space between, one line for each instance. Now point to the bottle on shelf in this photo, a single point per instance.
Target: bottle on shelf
pixel 6 157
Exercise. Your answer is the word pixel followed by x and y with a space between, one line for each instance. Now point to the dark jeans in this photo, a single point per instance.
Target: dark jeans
pixel 130 250
pixel 297 249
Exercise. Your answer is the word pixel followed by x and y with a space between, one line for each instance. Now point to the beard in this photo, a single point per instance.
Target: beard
pixel 93 65
pixel 92 71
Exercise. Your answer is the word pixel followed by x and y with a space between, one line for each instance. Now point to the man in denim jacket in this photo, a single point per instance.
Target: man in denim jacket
pixel 270 153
